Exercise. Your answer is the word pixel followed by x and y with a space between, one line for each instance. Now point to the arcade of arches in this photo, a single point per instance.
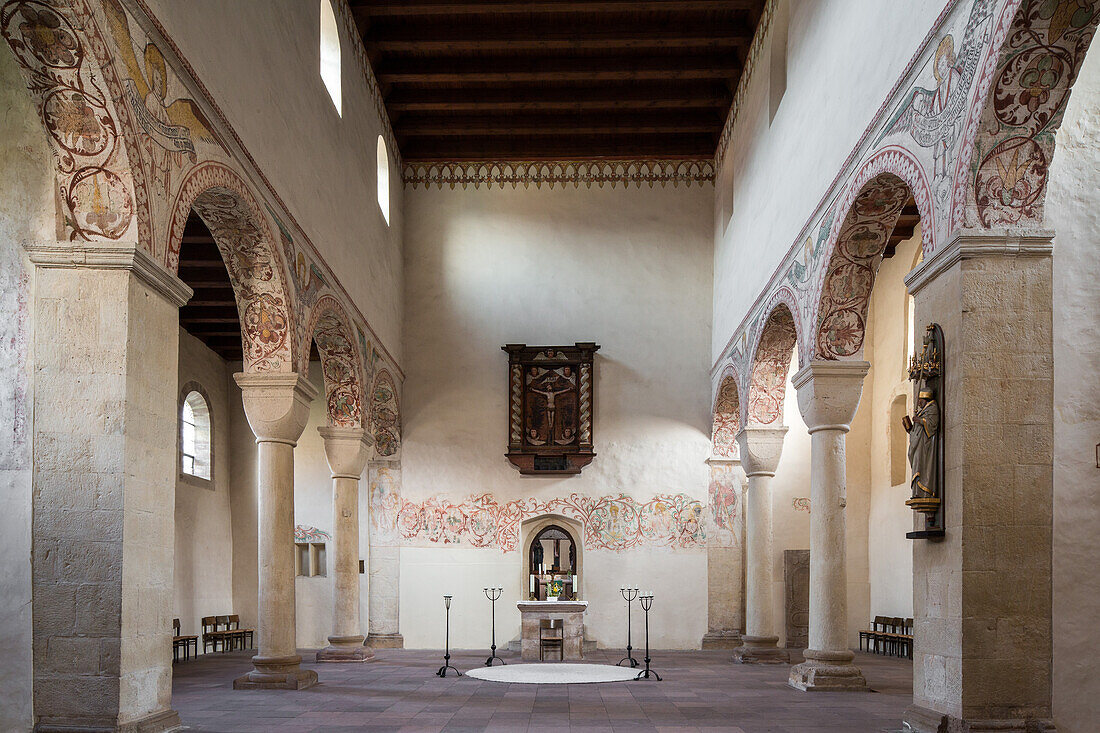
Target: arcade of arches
pixel 257 261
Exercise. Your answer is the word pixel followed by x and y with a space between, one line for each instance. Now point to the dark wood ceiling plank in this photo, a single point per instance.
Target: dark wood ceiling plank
pixel 404 8
pixel 564 42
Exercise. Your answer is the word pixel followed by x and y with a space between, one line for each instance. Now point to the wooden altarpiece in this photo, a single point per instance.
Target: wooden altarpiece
pixel 550 407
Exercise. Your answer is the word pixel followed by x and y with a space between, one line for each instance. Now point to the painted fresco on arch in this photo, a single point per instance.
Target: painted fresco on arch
pixel 385 416
pixel 59 53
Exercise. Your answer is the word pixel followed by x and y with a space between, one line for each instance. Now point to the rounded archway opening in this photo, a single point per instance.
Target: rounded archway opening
pixel 552 558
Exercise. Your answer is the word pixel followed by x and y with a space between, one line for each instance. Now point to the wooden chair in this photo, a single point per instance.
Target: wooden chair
pixel 905 639
pixel 551 637
pixel 212 635
pixel 232 637
pixel 869 635
pixel 242 634
pixel 182 642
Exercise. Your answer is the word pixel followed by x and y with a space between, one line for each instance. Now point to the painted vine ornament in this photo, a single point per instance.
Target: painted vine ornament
pixel 550 407
pixel 925 429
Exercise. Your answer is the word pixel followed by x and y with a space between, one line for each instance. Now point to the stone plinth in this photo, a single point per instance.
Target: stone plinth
pixel 572 615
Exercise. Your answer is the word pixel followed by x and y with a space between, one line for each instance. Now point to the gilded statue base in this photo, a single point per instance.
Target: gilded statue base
pixel 929 506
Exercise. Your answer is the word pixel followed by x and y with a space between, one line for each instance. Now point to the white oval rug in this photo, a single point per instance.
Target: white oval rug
pixel 554 674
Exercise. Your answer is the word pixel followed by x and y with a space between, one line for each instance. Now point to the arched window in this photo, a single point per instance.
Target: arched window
pixel 330 54
pixel 195 438
pixel 383 179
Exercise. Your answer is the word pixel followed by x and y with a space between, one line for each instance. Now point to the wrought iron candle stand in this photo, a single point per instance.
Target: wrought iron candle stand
pixel 447 654
pixel 493 594
pixel 629 594
pixel 647 603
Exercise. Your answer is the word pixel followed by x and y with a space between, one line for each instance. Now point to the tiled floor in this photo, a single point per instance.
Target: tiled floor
pixel 701 691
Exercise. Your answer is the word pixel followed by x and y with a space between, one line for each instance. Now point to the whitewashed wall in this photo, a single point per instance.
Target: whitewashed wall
pixel 842 60
pixel 26 214
pixel 203 583
pixel 629 269
pixel 1073 210
pixel 260 61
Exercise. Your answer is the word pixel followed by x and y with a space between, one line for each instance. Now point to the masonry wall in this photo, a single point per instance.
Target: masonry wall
pixel 627 268
pixel 26 214
pixel 842 60
pixel 204 513
pixel 260 61
pixel 1073 211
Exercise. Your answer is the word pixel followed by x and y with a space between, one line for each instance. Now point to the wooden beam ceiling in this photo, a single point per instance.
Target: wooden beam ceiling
pixel 211 314
pixel 508 79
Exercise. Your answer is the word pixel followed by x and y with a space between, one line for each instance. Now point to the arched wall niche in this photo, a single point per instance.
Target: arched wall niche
pixel 770 363
pixel 853 257
pixel 247 245
pixel 1002 169
pixel 727 416
pixel 528 531
pixel 331 330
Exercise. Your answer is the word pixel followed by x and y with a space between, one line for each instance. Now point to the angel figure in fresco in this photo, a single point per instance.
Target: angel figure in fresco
pixel 170 128
pixel 933 117
pixel 924 435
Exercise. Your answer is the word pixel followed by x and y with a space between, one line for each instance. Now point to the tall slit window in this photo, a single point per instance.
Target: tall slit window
pixel 195 436
pixel 330 54
pixel 383 179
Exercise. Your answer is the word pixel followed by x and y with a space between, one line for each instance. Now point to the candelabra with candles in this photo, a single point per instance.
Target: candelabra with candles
pixel 629 594
pixel 447 654
pixel 493 594
pixel 646 600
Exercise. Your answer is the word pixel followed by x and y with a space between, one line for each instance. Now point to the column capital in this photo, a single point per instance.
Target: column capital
pixel 276 404
pixel 968 244
pixel 760 449
pixel 111 256
pixel 347 450
pixel 829 392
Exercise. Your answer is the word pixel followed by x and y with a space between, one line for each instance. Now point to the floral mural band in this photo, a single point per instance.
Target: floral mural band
pixel 610 522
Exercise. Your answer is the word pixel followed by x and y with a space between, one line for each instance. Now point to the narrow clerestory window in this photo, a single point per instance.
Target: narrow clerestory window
pixel 383 179
pixel 330 54
pixel 195 454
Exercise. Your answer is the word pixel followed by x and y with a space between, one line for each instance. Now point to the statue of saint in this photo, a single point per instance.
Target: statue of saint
pixel 924 436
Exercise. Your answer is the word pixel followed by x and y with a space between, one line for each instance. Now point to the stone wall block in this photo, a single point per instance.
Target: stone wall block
pixel 98 609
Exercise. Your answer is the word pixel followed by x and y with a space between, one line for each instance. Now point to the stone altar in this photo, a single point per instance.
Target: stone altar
pixel 572 615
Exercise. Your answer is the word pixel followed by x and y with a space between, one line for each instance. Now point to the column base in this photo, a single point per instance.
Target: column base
pixel 721 639
pixel 827 672
pixel 385 641
pixel 276 673
pixel 165 720
pixel 760 650
pixel 923 720
pixel 345 649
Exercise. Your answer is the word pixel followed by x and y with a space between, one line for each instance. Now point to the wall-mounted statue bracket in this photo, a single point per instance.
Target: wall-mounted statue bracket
pixel 550 407
pixel 925 428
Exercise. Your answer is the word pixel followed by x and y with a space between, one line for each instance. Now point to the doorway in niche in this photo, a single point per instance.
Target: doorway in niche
pixel 552 548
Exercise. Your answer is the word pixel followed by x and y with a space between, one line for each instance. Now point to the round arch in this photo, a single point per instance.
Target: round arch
pixel 341 366
pixel 727 415
pixel 871 207
pixel 771 360
pixel 1002 169
pixel 385 415
pixel 244 238
pixel 530 529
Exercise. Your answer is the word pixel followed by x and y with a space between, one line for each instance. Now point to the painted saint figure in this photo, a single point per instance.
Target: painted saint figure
pixel 924 435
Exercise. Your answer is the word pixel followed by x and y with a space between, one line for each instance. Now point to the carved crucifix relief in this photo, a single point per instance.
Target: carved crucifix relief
pixel 550 407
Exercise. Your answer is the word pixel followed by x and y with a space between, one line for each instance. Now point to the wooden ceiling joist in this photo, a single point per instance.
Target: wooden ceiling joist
pixel 497 79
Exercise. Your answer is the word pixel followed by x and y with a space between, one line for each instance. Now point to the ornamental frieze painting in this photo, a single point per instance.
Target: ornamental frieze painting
pixel 967 134
pixel 727 418
pixel 613 523
pixel 340 365
pixel 385 416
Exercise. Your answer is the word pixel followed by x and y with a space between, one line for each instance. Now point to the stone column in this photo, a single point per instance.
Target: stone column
pixel 828 395
pixel 982 596
pixel 384 555
pixel 725 540
pixel 277 407
pixel 105 351
pixel 347 450
pixel 760 451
